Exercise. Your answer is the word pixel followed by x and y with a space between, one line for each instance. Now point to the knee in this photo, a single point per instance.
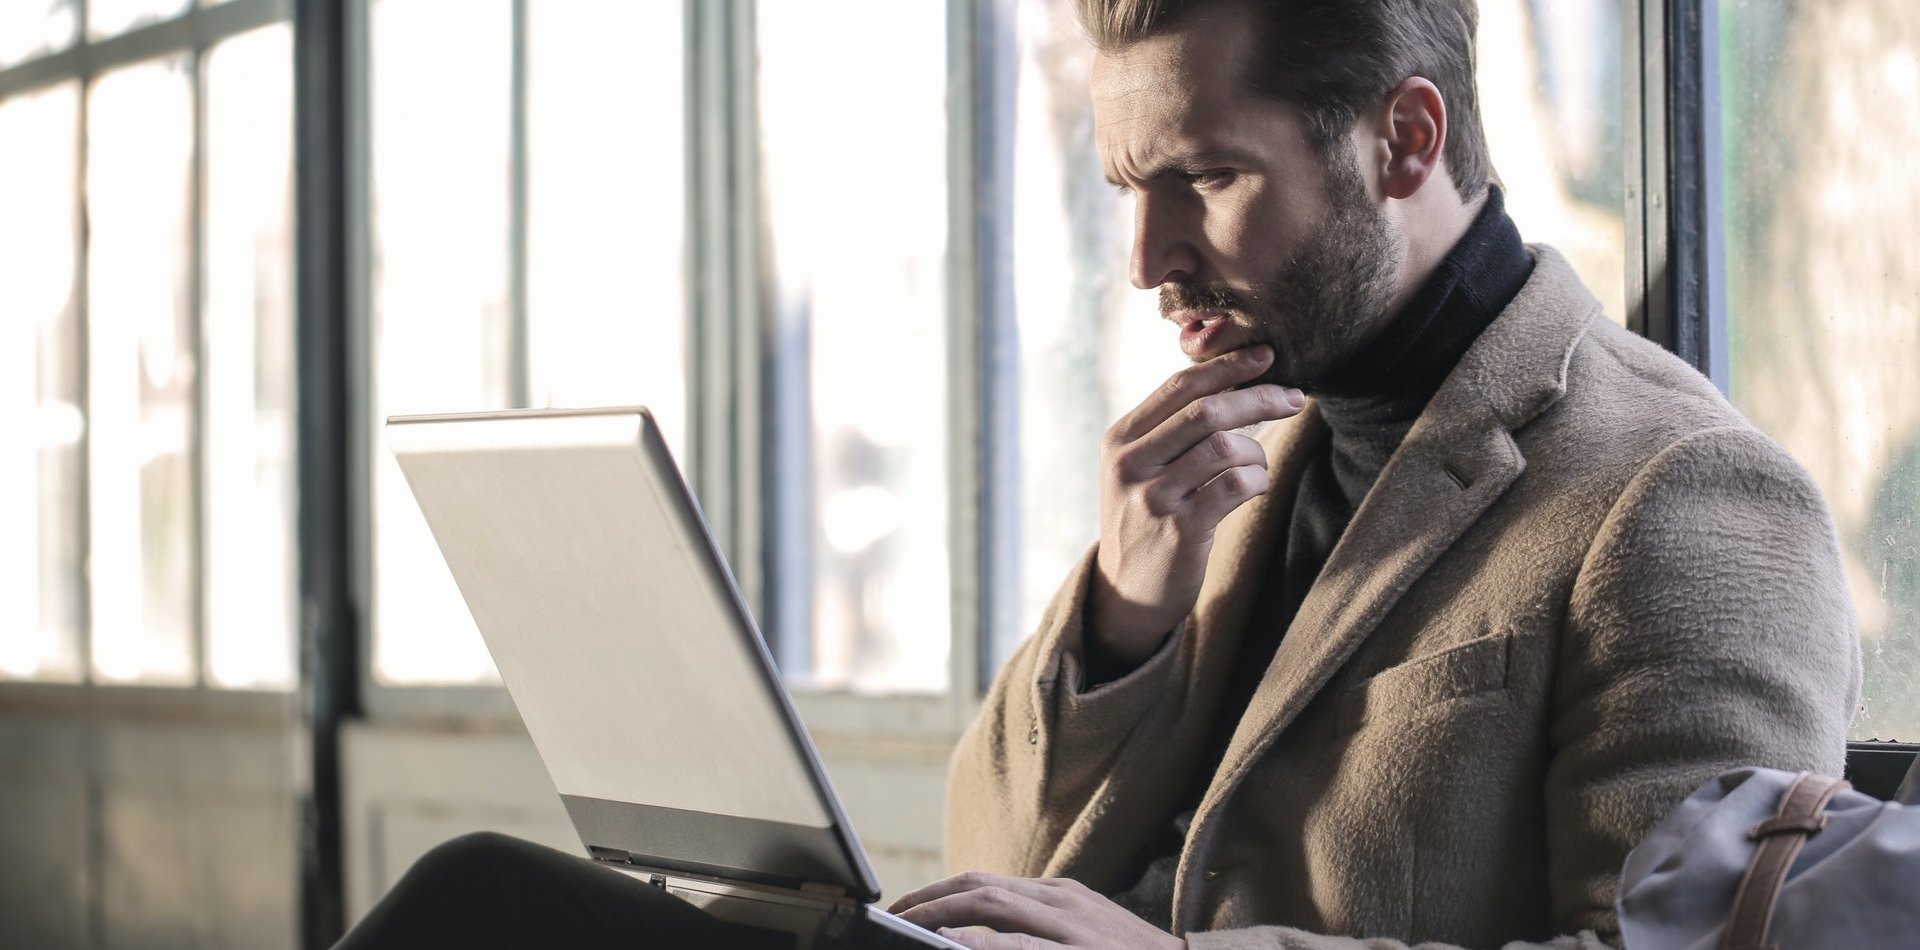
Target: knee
pixel 468 853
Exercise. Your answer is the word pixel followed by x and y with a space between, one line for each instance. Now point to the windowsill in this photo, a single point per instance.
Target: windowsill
pixel 149 703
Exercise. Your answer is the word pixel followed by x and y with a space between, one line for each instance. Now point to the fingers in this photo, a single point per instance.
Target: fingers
pixel 1013 905
pixel 1217 453
pixel 1229 490
pixel 971 881
pixel 1197 381
pixel 1220 412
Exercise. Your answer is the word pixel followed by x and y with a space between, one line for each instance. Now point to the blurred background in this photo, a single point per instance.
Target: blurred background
pixel 858 259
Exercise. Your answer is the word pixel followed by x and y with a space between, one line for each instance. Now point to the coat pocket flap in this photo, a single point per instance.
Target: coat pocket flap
pixel 1461 670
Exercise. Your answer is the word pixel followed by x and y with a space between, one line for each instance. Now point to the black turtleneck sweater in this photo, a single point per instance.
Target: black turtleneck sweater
pixel 1369 407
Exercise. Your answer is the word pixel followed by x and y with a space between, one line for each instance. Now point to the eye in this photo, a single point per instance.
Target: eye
pixel 1209 179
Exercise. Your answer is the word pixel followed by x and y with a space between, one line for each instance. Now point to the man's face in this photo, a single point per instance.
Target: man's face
pixel 1250 232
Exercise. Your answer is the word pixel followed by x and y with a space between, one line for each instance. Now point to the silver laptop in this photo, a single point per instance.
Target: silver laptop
pixel 643 681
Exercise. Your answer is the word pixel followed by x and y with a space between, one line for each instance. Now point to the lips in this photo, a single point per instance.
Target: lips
pixel 1205 334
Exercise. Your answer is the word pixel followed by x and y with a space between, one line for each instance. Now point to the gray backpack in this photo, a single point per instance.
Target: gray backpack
pixel 1758 859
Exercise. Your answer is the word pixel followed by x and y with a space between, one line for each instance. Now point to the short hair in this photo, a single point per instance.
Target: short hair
pixel 1337 59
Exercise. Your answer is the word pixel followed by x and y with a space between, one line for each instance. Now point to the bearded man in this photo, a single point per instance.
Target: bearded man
pixel 1424 661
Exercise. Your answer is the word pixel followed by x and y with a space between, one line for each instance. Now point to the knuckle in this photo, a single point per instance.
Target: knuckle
pixel 1224 445
pixel 1159 504
pixel 1205 413
pixel 1180 383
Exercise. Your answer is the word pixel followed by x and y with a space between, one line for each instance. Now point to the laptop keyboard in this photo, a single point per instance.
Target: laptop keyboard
pixel 878 930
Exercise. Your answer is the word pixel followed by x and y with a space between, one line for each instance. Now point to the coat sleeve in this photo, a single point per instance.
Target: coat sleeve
pixel 1287 938
pixel 1709 628
pixel 1041 750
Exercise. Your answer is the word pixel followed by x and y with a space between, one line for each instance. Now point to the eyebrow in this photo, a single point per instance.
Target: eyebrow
pixel 1211 158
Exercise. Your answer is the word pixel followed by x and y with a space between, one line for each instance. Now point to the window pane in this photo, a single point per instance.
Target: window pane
pixel 140 372
pixel 606 207
pixel 1550 103
pixel 112 17
pixel 40 459
pixel 30 28
pixel 440 80
pixel 1091 346
pixel 1824 290
pixel 856 197
pixel 248 352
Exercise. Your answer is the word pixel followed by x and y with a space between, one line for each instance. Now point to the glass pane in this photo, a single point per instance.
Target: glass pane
pixel 140 372
pixel 856 206
pixel 1550 103
pixel 1824 291
pixel 29 28
pixel 1091 346
pixel 440 85
pixel 248 435
pixel 606 204
pixel 41 550
pixel 112 17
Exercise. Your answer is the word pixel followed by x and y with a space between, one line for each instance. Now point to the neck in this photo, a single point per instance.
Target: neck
pixel 1434 224
pixel 1418 344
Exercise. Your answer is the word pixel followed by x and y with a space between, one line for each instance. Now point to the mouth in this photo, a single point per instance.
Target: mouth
pixel 1204 334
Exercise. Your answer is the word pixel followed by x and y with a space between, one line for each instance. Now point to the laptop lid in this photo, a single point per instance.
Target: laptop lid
pixel 624 642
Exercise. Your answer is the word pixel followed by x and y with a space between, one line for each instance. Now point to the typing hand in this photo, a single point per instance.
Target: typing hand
pixel 1028 914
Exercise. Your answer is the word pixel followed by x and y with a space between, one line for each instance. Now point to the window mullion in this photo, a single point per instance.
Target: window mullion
pixel 1696 271
pixel 196 309
pixel 83 318
pixel 723 326
pixel 1644 130
pixel 328 439
pixel 519 361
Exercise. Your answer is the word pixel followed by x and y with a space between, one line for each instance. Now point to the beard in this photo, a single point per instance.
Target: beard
pixel 1321 306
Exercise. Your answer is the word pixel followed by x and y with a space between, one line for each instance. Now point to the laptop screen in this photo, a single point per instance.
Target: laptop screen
pixel 618 632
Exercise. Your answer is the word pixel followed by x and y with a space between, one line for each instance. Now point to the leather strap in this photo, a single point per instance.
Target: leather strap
pixel 1781 838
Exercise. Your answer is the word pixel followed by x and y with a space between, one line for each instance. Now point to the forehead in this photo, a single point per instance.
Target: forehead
pixel 1187 88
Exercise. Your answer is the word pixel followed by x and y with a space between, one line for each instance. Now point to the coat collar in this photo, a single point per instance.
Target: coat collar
pixel 1459 458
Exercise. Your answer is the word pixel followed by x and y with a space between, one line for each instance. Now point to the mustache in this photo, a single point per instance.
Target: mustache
pixel 1177 297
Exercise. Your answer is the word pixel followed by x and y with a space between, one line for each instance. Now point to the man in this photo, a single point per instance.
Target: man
pixel 1423 662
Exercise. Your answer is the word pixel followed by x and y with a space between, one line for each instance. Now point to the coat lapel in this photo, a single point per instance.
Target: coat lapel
pixel 1458 459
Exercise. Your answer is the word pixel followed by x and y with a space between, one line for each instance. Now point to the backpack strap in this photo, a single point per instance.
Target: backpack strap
pixel 1781 838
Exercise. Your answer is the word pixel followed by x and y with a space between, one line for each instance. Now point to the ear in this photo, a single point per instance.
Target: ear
pixel 1413 123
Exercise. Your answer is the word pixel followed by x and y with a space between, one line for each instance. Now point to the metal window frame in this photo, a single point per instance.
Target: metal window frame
pixel 1675 211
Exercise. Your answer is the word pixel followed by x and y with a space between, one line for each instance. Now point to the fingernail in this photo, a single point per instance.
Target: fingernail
pixel 1295 398
pixel 1261 353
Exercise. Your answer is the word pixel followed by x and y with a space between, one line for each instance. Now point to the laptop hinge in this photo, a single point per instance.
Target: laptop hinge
pixel 812 891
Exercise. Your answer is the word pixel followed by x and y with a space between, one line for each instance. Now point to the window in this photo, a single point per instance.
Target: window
pixel 150 500
pixel 1824 291
pixel 862 394
pixel 528 221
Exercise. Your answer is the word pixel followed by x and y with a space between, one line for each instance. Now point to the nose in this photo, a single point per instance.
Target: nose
pixel 1162 250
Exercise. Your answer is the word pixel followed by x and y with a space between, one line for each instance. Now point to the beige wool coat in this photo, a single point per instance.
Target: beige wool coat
pixel 1582 586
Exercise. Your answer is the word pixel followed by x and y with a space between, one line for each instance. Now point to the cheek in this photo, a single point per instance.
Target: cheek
pixel 1253 238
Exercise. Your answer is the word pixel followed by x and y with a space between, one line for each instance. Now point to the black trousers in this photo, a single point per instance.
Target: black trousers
pixel 487 890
